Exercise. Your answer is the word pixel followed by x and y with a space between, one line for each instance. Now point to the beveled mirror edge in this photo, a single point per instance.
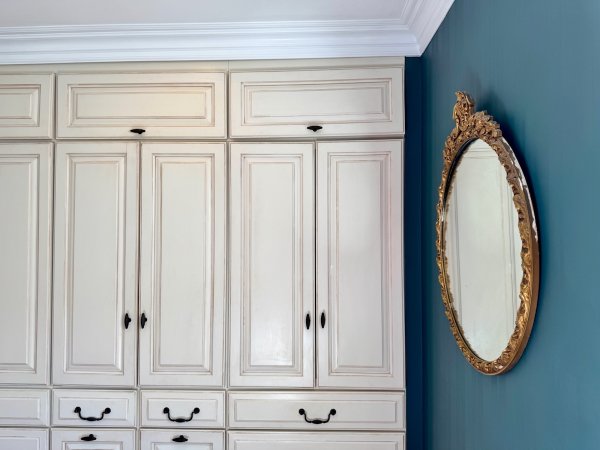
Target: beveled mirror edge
pixel 471 125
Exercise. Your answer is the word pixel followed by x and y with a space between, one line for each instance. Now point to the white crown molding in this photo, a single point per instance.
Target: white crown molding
pixel 426 19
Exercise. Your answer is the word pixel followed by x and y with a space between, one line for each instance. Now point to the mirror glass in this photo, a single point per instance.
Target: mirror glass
pixel 483 248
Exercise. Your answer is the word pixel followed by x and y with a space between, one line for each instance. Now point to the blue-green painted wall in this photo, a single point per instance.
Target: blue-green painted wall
pixel 535 66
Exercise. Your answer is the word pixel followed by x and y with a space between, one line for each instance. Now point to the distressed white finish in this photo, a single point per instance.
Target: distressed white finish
pixel 122 404
pixel 345 102
pixel 196 440
pixel 182 404
pixel 166 105
pixel 315 441
pixel 26 105
pixel 359 260
pixel 29 407
pixel 95 263
pixel 25 266
pixel 271 264
pixel 280 410
pixel 64 439
pixel 22 439
pixel 183 264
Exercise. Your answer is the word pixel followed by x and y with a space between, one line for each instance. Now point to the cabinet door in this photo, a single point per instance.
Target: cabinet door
pixel 182 264
pixel 95 264
pixel 20 439
pixel 359 259
pixel 315 441
pixel 93 439
pixel 272 265
pixel 176 440
pixel 25 243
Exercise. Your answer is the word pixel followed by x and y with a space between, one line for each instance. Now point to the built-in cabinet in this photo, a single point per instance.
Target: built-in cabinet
pixel 212 254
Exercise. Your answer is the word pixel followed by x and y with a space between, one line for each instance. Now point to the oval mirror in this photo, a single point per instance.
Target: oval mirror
pixel 487 243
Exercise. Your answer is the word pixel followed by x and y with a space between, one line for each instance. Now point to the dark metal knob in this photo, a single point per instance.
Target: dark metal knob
pixel 138 131
pixel 314 128
pixel 180 438
pixel 127 320
pixel 323 319
pixel 88 438
pixel 307 321
pixel 143 320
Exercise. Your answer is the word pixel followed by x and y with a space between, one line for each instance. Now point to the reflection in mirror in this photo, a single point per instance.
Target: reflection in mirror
pixel 483 250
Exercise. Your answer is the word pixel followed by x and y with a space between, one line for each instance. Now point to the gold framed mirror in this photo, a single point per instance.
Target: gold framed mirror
pixel 487 243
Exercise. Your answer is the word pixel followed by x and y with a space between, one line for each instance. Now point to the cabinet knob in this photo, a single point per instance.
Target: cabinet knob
pixel 138 130
pixel 88 438
pixel 180 438
pixel 314 128
pixel 307 320
pixel 127 320
pixel 143 320
pixel 323 319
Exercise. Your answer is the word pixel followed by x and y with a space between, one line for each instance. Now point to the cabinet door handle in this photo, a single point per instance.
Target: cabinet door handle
pixel 127 320
pixel 143 320
pixel 302 412
pixel 323 319
pixel 167 411
pixel 180 438
pixel 307 320
pixel 77 411
pixel 314 128
pixel 138 131
pixel 88 438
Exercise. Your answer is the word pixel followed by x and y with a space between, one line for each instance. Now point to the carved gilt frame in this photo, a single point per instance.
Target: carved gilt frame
pixel 471 125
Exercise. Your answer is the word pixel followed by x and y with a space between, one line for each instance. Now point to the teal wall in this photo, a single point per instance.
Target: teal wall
pixel 535 66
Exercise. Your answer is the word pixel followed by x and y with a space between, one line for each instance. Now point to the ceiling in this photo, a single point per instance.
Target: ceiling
pixel 39 31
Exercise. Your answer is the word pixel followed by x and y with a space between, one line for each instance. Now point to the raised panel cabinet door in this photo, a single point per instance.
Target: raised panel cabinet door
pixel 360 298
pixel 182 264
pixel 95 264
pixel 314 441
pixel 22 439
pixel 272 265
pixel 182 439
pixel 25 266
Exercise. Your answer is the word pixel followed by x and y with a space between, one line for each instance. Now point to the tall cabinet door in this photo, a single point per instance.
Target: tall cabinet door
pixel 272 265
pixel 182 264
pixel 95 264
pixel 25 249
pixel 359 265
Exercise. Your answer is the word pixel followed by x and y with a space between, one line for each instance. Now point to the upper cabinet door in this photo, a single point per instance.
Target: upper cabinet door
pixel 359 260
pixel 182 264
pixel 25 269
pixel 95 264
pixel 272 265
pixel 309 103
pixel 26 106
pixel 152 105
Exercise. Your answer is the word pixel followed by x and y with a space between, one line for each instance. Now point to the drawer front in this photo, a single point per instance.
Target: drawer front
pixel 19 439
pixel 93 439
pixel 183 409
pixel 190 440
pixel 26 105
pixel 94 408
pixel 315 441
pixel 311 410
pixel 24 407
pixel 344 102
pixel 165 105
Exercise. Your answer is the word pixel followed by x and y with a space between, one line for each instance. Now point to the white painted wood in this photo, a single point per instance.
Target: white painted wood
pixel 182 405
pixel 360 264
pixel 65 439
pixel 183 264
pixel 345 102
pixel 314 441
pixel 23 439
pixel 122 405
pixel 25 266
pixel 271 264
pixel 165 104
pixel 196 440
pixel 280 410
pixel 26 105
pixel 95 264
pixel 29 407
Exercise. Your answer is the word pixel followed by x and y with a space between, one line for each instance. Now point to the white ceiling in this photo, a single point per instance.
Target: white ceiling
pixel 101 30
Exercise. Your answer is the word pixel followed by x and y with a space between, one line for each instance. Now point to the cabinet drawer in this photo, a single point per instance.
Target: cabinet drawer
pixel 315 441
pixel 185 409
pixel 24 407
pixel 344 102
pixel 94 408
pixel 19 439
pixel 190 440
pixel 165 105
pixel 299 410
pixel 93 439
pixel 26 105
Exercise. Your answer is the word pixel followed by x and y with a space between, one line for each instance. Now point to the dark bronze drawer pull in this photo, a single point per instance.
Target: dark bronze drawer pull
pixel 88 438
pixel 180 438
pixel 314 128
pixel 332 412
pixel 167 411
pixel 127 320
pixel 138 130
pixel 77 410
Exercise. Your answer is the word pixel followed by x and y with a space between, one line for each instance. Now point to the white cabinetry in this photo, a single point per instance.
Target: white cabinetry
pixel 93 439
pixel 21 439
pixel 315 441
pixel 176 440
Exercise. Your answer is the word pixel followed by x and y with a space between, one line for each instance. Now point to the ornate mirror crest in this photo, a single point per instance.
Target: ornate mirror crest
pixel 472 126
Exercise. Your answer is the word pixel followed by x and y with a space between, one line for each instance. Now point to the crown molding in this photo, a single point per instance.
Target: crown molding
pixel 427 17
